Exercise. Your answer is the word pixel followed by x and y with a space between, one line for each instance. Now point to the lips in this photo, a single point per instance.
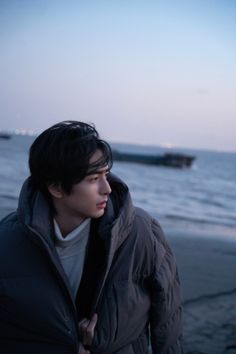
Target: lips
pixel 102 204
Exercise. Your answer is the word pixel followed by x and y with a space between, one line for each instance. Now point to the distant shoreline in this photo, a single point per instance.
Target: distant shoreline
pixel 160 146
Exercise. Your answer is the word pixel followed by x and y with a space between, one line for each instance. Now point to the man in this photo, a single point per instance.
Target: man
pixel 81 269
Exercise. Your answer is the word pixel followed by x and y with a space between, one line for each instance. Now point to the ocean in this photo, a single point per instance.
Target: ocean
pixel 199 201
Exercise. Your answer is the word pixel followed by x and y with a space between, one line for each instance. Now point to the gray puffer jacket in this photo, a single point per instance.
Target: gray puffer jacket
pixel 130 280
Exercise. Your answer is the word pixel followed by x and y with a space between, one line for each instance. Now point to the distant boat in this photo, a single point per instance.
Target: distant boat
pixel 168 159
pixel 5 135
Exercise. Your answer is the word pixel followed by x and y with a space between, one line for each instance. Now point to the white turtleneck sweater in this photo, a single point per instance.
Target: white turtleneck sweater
pixel 71 250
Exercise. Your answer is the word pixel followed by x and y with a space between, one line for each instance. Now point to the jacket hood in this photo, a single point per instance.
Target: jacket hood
pixel 34 212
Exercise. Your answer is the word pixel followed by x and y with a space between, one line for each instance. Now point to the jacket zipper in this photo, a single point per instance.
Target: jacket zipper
pixel 60 276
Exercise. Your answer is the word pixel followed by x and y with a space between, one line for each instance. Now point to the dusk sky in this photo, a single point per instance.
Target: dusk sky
pixel 149 72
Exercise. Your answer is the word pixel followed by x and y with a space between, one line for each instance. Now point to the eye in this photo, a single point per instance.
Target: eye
pixel 93 178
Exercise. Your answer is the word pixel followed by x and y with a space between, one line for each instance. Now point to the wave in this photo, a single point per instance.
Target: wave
pixel 201 220
pixel 8 196
pixel 208 201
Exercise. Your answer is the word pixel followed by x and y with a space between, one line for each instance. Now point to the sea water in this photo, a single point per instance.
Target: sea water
pixel 199 201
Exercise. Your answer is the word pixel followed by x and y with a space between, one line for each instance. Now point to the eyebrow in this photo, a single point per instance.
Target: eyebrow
pixel 99 172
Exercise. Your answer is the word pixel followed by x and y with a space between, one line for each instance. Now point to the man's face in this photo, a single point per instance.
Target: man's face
pixel 88 198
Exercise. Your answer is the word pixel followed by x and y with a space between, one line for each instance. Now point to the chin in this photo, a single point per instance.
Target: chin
pixel 98 214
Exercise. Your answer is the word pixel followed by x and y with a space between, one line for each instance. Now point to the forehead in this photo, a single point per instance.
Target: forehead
pixel 97 163
pixel 96 157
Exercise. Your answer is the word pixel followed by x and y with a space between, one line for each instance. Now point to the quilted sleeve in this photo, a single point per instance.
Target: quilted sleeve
pixel 166 309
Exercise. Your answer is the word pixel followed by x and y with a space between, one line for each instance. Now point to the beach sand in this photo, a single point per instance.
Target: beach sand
pixel 207 268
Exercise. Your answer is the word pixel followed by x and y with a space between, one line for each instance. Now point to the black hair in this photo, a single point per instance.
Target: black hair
pixel 61 154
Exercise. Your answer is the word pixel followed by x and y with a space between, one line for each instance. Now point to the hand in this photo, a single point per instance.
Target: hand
pixel 82 350
pixel 86 330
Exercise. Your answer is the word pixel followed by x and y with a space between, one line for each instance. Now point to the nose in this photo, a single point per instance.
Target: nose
pixel 105 187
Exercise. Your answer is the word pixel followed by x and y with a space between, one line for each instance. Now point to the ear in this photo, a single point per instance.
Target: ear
pixel 55 190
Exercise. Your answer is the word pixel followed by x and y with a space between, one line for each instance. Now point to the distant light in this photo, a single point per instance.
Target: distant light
pixel 167 145
pixel 23 132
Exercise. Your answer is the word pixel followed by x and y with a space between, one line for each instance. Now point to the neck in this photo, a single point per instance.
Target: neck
pixel 67 224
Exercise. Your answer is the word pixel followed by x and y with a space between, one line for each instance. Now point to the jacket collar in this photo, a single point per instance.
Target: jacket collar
pixel 116 223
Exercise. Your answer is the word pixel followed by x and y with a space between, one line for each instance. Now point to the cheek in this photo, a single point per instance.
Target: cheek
pixel 85 197
pixel 89 196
